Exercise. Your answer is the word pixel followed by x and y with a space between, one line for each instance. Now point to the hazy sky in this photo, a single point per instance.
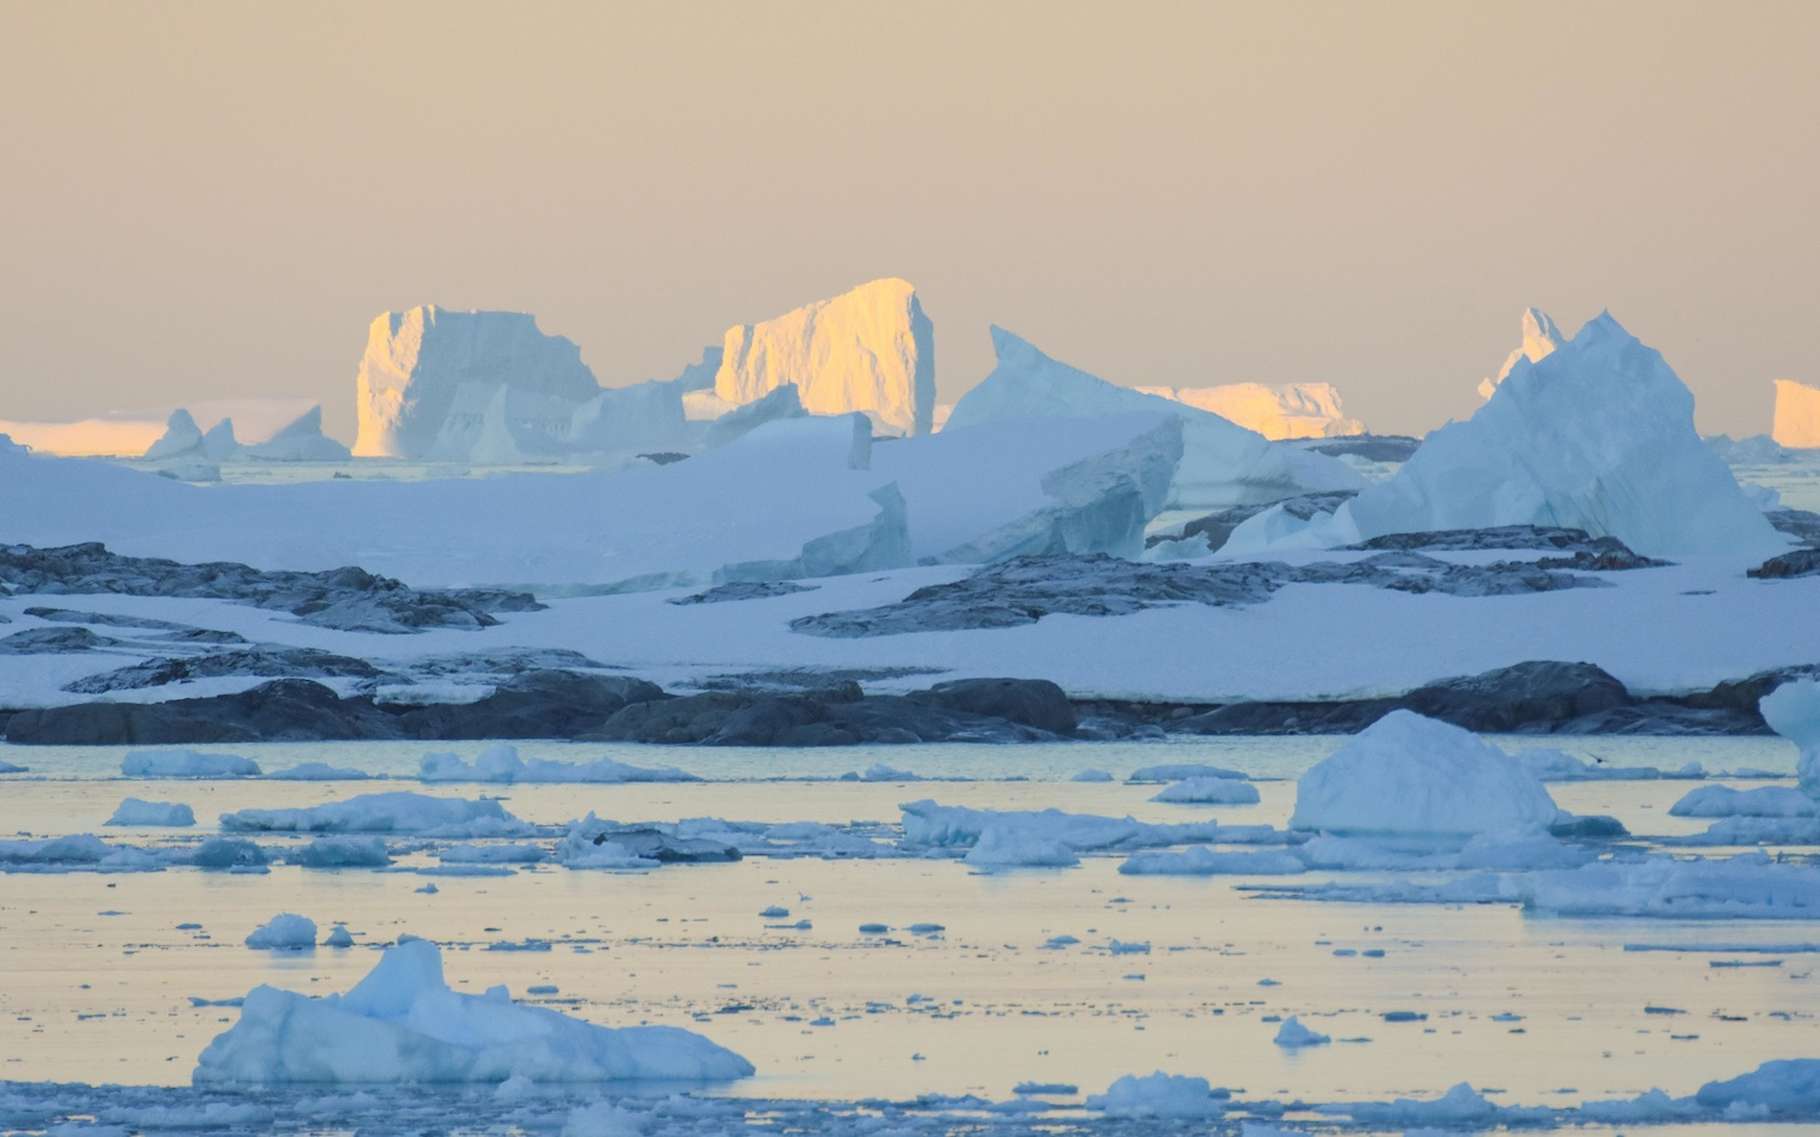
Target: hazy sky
pixel 208 200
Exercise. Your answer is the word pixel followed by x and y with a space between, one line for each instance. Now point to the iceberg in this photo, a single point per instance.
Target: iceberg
pixel 737 422
pixel 1797 421
pixel 408 386
pixel 1292 410
pixel 181 438
pixel 1158 1095
pixel 1793 711
pixel 622 420
pixel 219 443
pixel 1292 1035
pixel 500 764
pixel 1209 791
pixel 1540 339
pixel 1764 801
pixel 1598 435
pixel 286 931
pixel 870 350
pixel 138 812
pixel 1222 464
pixel 402 1024
pixel 300 440
pixel 1411 775
pixel 186 764
pixel 395 812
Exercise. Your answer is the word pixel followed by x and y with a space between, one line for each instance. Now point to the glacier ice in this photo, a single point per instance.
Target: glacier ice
pixel 300 440
pixel 1540 338
pixel 870 350
pixel 411 378
pixel 1596 435
pixel 1407 774
pixel 403 1024
pixel 1289 410
pixel 1222 464
pixel 1797 416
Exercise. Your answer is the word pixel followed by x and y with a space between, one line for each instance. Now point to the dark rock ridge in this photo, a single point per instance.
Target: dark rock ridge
pixel 1371 447
pixel 743 590
pixel 262 661
pixel 1025 589
pixel 1801 562
pixel 1592 554
pixel 1801 524
pixel 538 704
pixel 349 599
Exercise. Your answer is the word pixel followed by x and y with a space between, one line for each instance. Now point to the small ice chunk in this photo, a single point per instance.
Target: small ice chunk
pixel 286 931
pixel 1209 791
pixel 339 937
pixel 1292 1034
pixel 1092 776
pixel 137 812
pixel 186 764
pixel 1157 1095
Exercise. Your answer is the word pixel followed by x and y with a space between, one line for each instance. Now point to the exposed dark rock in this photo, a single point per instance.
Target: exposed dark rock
pixel 743 590
pixel 792 679
pixel 1032 702
pixel 663 457
pixel 1801 524
pixel 1025 589
pixel 1593 826
pixel 1371 447
pixel 52 641
pixel 105 619
pixel 350 599
pixel 1585 550
pixel 537 704
pixel 265 661
pixel 1801 562
pixel 501 663
pixel 1526 696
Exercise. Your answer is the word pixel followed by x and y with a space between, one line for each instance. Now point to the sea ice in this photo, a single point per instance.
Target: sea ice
pixel 1209 791
pixel 1157 1095
pixel 1724 801
pixel 929 824
pixel 402 1024
pixel 395 812
pixel 500 764
pixel 1202 861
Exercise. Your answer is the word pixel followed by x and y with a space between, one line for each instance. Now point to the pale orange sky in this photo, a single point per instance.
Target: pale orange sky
pixel 205 200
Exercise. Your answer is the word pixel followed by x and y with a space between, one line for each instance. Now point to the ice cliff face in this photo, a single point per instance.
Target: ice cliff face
pixel 417 363
pixel 1797 423
pixel 870 350
pixel 1222 463
pixel 1597 435
pixel 1294 410
pixel 1540 338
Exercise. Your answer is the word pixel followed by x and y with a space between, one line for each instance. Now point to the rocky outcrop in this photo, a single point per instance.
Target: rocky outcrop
pixel 260 661
pixel 1801 562
pixel 1025 589
pixel 870 350
pixel 349 599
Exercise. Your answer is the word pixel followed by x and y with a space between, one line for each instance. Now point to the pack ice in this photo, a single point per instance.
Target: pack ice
pixel 402 1024
pixel 1598 434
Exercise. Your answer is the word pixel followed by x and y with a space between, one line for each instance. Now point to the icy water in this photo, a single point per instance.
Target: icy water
pixel 98 977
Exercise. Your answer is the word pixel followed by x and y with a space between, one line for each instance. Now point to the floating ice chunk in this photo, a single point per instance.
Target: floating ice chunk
pixel 1092 776
pixel 929 824
pixel 1410 774
pixel 1551 765
pixel 1202 861
pixel 317 772
pixel 1157 1095
pixel 402 1024
pixel 396 812
pixel 186 764
pixel 1292 1035
pixel 342 853
pixel 500 764
pixel 1129 947
pixel 137 812
pixel 228 853
pixel 1460 1106
pixel 774 912
pixel 339 937
pixel 1793 711
pixel 1788 1087
pixel 1209 791
pixel 1745 887
pixel 492 855
pixel 286 931
pixel 1764 801
pixel 1013 844
pixel 1181 772
pixel 879 772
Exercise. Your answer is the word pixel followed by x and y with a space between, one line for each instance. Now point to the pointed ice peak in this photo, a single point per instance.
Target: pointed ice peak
pixel 1009 347
pixel 219 443
pixel 405 971
pixel 182 422
pixel 1541 336
pixel 181 435
pixel 307 423
pixel 1600 329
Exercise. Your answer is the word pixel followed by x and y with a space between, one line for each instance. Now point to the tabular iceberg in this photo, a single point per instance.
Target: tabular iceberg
pixel 1797 422
pixel 1290 410
pixel 417 362
pixel 1406 774
pixel 1597 435
pixel 402 1024
pixel 1222 464
pixel 870 350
